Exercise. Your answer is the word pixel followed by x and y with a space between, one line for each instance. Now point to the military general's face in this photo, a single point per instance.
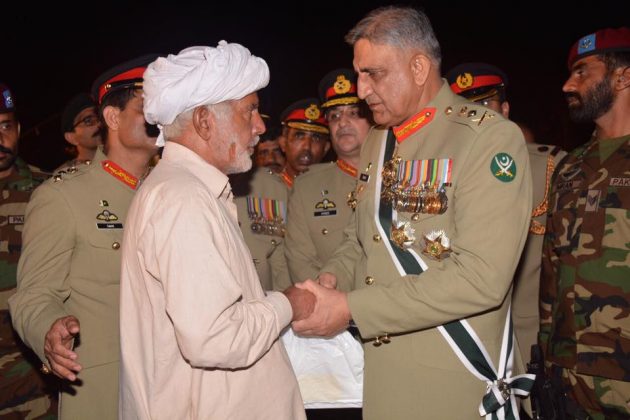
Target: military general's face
pixel 269 154
pixel 588 90
pixel 303 148
pixel 134 131
pixel 348 129
pixel 386 82
pixel 9 133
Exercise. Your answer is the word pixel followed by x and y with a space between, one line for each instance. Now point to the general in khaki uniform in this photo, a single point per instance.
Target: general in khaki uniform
pixel 486 84
pixel 443 205
pixel 262 214
pixel 70 264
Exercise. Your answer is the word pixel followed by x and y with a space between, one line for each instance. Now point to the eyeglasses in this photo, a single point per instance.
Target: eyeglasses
pixel 89 121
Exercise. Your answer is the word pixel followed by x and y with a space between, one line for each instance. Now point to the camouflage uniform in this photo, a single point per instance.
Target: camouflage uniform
pixel 585 283
pixel 24 392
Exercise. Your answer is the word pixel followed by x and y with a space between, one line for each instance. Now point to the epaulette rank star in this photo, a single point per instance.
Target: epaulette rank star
pixel 478 116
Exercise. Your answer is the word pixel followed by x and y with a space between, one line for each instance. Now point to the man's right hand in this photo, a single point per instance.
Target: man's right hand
pixel 302 302
pixel 328 280
pixel 58 347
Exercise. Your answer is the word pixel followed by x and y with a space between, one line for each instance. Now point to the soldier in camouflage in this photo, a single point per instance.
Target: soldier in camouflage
pixel 24 393
pixel 585 282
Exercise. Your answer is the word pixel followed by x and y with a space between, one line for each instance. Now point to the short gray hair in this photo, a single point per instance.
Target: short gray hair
pixel 175 130
pixel 401 27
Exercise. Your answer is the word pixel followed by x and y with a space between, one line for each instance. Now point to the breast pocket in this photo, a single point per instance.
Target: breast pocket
pixel 617 220
pixel 104 255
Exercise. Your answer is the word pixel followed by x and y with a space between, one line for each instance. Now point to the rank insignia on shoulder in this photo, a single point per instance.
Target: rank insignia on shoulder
pixel 403 235
pixel 437 245
pixel 107 216
pixel 364 177
pixel 325 207
pixel 503 167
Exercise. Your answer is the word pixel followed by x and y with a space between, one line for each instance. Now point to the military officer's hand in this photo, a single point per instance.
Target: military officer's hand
pixel 58 347
pixel 328 280
pixel 302 302
pixel 331 315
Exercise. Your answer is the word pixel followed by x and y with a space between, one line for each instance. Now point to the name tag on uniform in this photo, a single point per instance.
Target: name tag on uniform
pixel 568 185
pixel 109 225
pixel 620 182
pixel 16 220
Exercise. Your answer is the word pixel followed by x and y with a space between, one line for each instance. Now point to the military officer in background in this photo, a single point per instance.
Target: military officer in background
pixel 442 214
pixel 81 127
pixel 486 84
pixel 268 152
pixel 262 214
pixel 320 203
pixel 66 305
pixel 585 281
pixel 25 392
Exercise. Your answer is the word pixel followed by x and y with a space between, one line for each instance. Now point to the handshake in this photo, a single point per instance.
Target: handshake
pixel 318 308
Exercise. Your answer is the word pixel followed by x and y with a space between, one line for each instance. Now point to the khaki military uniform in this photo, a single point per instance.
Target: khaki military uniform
pixel 318 215
pixel 267 250
pixel 414 373
pixel 70 265
pixel 543 159
pixel 24 391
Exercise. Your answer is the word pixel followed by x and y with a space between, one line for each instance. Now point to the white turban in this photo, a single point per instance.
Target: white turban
pixel 199 76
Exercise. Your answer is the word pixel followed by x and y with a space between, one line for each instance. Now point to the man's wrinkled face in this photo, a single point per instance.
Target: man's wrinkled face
pixel 9 134
pixel 588 90
pixel 348 129
pixel 303 148
pixel 240 127
pixel 269 154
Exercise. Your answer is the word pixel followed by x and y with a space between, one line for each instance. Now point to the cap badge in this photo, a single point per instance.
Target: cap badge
pixel 342 85
pixel 586 44
pixel 403 235
pixel 8 101
pixel 465 80
pixel 312 112
pixel 503 167
pixel 437 244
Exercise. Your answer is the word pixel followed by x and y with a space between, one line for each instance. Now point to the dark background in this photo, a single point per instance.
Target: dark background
pixel 46 59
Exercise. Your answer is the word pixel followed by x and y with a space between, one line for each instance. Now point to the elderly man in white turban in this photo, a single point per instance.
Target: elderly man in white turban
pixel 198 334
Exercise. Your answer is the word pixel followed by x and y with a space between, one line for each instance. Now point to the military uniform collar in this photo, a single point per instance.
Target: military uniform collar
pixel 443 99
pixel 286 178
pixel 347 168
pixel 216 181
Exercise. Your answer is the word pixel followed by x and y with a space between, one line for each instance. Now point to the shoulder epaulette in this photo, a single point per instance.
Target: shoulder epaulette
pixel 473 115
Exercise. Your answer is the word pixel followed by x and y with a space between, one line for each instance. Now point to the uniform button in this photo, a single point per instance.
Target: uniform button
pixel 115 245
pixel 415 217
pixel 274 242
pixel 385 339
pixel 377 238
pixel 377 342
pixel 324 231
pixel 369 280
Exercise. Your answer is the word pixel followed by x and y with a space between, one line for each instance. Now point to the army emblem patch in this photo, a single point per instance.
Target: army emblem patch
pixel 464 80
pixel 503 167
pixel 342 85
pixel 312 112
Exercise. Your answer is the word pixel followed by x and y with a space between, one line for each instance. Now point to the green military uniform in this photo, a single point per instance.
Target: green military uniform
pixel 472 167
pixel 585 283
pixel 318 215
pixel 24 391
pixel 70 265
pixel 263 225
pixel 542 159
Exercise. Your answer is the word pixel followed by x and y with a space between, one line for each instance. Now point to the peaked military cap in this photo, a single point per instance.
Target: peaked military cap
pixel 305 115
pixel 477 81
pixel 602 41
pixel 77 104
pixel 123 76
pixel 6 99
pixel 339 87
